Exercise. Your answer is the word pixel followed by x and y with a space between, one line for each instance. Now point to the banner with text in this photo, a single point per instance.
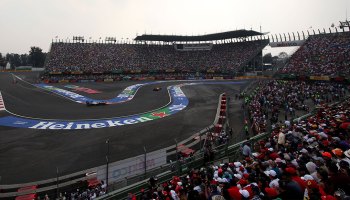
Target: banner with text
pixel 130 167
pixel 287 43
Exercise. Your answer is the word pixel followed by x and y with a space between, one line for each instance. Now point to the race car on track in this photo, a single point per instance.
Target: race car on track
pixel 157 88
pixel 95 103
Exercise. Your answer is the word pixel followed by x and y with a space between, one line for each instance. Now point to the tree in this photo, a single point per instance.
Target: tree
pixel 37 57
pixel 267 58
pixel 2 62
pixel 24 59
pixel 14 60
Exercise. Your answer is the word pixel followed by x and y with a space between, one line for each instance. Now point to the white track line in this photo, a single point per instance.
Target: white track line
pixel 2 103
pixel 42 89
pixel 92 119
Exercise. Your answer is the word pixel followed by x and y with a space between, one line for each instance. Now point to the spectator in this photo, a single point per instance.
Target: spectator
pixel 324 54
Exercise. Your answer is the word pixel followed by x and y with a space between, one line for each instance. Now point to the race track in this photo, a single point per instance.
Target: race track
pixel 33 154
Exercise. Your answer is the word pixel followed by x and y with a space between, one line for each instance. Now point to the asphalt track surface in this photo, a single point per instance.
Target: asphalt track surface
pixel 28 155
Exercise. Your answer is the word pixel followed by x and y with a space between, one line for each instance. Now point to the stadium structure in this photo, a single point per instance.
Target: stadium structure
pixel 170 105
pixel 160 56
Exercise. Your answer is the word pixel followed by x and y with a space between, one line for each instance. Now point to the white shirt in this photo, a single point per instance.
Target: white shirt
pixel 274 183
pixel 281 138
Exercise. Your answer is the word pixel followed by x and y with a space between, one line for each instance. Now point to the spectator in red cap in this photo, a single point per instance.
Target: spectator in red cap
pixel 327 155
pixel 272 193
pixel 234 191
pixel 295 177
pixel 312 189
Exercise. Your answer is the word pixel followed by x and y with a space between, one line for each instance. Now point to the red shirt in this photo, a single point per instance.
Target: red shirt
pixel 234 193
pixel 300 182
pixel 274 155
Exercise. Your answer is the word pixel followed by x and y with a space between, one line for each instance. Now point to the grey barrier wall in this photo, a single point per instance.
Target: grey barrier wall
pixel 222 153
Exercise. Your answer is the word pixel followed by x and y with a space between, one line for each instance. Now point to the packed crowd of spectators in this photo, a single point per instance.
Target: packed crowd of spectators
pixel 324 54
pixel 99 57
pixel 306 160
pixel 277 97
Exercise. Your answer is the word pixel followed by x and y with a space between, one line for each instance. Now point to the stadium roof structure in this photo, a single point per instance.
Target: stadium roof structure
pixel 208 37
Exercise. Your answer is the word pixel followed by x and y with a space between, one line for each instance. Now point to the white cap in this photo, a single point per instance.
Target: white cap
pixel 278 160
pixel 274 183
pixel 308 177
pixel 238 176
pixel 322 134
pixel 304 151
pixel 310 140
pixel 295 163
pixel 244 193
pixel 237 164
pixel 347 153
pixel 270 173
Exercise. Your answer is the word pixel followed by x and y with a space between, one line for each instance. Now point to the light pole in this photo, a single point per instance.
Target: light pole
pixel 56 182
pixel 144 148
pixel 107 162
pixel 177 157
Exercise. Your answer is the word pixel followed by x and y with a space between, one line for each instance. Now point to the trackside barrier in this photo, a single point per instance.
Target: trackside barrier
pixel 221 111
pixel 221 153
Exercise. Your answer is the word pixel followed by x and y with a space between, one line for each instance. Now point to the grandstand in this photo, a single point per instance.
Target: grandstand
pixel 178 57
pixel 321 55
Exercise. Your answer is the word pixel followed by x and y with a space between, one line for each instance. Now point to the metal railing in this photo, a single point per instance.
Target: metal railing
pixel 221 153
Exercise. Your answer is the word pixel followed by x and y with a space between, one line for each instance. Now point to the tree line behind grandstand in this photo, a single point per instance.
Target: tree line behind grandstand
pixel 35 58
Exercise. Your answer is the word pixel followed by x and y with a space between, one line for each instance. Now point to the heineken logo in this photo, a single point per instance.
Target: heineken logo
pixel 88 125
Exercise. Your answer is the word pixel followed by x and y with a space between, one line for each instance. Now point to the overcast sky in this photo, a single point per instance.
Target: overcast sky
pixel 26 23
